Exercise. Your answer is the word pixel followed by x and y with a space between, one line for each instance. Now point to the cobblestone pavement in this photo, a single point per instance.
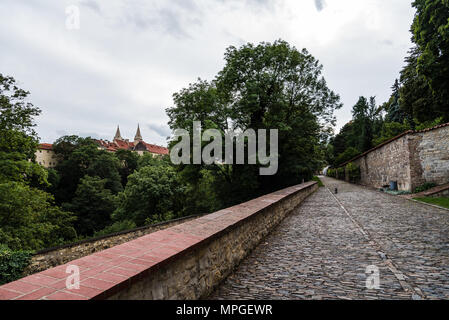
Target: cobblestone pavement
pixel 322 250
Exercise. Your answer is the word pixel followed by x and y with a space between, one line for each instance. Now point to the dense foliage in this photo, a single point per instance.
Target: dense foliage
pixel 92 192
pixel 29 218
pixel 265 86
pixel 12 263
pixel 420 97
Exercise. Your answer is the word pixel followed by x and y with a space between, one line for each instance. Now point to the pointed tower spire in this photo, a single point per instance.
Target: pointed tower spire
pixel 138 136
pixel 117 134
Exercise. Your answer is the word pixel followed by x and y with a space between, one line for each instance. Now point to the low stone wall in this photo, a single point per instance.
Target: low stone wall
pixel 186 261
pixel 52 257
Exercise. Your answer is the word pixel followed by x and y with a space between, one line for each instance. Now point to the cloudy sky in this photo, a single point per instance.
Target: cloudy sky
pixel 129 56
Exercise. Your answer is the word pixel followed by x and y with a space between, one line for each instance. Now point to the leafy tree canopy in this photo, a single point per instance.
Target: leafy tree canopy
pixel 29 220
pixel 265 86
pixel 152 194
pixel 430 30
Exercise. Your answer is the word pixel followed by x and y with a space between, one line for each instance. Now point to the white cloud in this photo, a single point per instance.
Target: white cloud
pixel 129 57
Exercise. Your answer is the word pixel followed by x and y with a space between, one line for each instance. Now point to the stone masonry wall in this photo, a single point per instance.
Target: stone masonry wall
pixel 197 273
pixel 412 160
pixel 56 256
pixel 433 154
pixel 388 163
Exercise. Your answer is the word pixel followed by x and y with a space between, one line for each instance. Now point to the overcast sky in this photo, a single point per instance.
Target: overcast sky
pixel 129 56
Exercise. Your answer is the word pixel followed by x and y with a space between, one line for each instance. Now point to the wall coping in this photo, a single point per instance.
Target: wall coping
pixel 111 235
pixel 111 270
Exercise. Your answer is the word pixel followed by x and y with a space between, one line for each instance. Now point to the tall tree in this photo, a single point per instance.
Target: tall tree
pixel 265 86
pixel 153 194
pixel 364 116
pixel 28 217
pixel 93 204
pixel 394 111
pixel 80 157
pixel 431 34
pixel 416 97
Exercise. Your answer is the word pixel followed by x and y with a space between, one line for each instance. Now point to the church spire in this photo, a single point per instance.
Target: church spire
pixel 138 136
pixel 117 134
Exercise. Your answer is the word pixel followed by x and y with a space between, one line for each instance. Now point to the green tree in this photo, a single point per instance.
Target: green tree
pixel 16 119
pixel 268 86
pixel 18 141
pixel 347 155
pixel 343 140
pixel 416 97
pixel 365 118
pixel 128 164
pixel 153 194
pixel 106 166
pixel 93 204
pixel 391 130
pixel 80 157
pixel 394 111
pixel 29 220
pixel 430 30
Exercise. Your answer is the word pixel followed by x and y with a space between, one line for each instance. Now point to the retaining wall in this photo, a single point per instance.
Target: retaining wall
pixel 186 261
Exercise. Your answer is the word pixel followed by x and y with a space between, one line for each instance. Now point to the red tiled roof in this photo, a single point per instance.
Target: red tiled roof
pixel 127 145
pixel 156 149
pixel 45 146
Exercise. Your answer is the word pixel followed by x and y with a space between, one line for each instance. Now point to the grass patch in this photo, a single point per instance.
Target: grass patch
pixel 442 202
pixel 320 183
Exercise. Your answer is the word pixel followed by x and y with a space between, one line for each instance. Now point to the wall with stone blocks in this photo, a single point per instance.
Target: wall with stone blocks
pixel 186 261
pixel 412 160
pixel 433 155
pixel 390 162
pixel 52 257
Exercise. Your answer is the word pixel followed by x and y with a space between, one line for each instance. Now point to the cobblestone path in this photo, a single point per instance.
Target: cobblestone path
pixel 323 248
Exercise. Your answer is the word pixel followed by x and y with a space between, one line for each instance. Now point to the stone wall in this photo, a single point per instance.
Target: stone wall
pixel 186 261
pixel 198 272
pixel 388 163
pixel 53 257
pixel 411 159
pixel 433 155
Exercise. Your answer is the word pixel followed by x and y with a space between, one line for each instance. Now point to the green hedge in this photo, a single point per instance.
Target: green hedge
pixel 426 186
pixel 341 173
pixel 332 173
pixel 320 183
pixel 353 172
pixel 12 263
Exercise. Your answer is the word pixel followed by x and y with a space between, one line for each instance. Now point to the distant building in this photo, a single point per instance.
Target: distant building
pixel 138 145
pixel 45 155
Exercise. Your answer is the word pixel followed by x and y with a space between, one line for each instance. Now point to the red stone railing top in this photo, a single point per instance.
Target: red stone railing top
pixel 106 272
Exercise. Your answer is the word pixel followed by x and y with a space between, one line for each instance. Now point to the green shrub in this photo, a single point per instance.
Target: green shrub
pixel 353 172
pixel 116 227
pixel 341 173
pixel 332 173
pixel 320 183
pixel 12 263
pixel 426 186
